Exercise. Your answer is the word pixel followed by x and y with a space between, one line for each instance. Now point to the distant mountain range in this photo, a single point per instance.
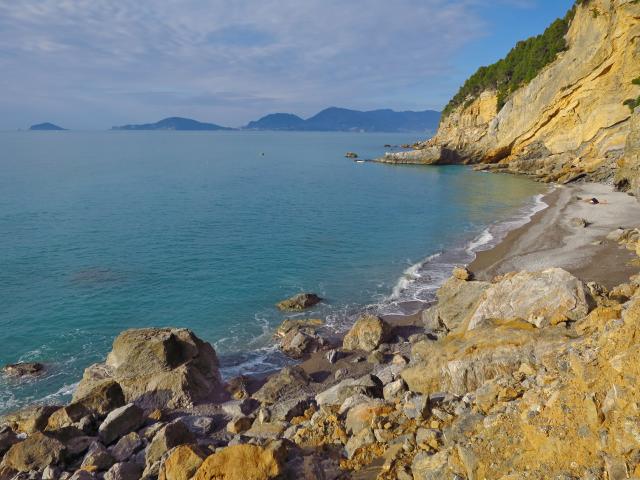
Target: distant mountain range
pixel 332 119
pixel 46 126
pixel 173 123
pixel 335 119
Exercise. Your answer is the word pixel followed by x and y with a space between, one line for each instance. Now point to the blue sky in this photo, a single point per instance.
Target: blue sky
pixel 91 64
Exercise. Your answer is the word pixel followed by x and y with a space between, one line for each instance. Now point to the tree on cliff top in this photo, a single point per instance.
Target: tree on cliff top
pixel 519 67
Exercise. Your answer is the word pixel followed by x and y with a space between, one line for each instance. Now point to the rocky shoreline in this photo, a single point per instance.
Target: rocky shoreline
pixel 511 374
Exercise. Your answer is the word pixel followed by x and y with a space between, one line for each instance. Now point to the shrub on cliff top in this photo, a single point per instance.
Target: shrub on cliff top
pixel 519 67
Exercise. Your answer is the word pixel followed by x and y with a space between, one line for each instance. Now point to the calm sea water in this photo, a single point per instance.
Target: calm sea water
pixel 104 231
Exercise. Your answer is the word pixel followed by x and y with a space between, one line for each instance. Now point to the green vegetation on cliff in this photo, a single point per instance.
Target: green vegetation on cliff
pixel 633 103
pixel 519 67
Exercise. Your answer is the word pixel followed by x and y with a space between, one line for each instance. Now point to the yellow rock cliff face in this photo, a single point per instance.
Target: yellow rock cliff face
pixel 568 120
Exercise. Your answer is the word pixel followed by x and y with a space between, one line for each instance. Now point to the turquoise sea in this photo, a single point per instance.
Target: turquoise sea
pixel 103 231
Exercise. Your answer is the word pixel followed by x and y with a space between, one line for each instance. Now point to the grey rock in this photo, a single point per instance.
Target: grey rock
pixel 120 422
pixel 159 368
pixel 237 408
pixel 290 381
pixel 125 447
pixel 7 438
pixel 124 471
pixel 368 385
pixel 426 466
pixel 288 409
pixel 333 355
pixel 199 425
pixel 535 297
pixel 98 457
pixel 394 389
pixel 363 438
pixel 416 406
pixel 82 475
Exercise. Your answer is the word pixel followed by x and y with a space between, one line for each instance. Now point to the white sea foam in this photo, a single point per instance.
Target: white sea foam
pixel 481 240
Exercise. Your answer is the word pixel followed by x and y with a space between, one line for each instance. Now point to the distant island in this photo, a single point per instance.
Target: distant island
pixel 174 123
pixel 336 119
pixel 46 126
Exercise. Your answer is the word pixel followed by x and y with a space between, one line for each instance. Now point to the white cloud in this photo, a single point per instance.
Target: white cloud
pixel 224 61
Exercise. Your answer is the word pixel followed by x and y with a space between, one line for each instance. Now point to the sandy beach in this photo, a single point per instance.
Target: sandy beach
pixel 550 239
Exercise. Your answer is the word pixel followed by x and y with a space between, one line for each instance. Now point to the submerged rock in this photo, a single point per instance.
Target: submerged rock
pixel 299 302
pixel 25 369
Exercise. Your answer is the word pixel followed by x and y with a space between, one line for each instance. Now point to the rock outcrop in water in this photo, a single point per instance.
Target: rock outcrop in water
pixel 156 368
pixel 569 121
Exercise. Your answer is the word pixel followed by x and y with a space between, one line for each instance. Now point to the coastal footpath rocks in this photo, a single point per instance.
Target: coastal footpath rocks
pixel 158 368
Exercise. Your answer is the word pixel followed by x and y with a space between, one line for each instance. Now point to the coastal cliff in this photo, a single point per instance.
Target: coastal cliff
pixel 570 120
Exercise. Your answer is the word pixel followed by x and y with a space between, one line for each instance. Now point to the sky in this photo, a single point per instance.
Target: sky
pixel 92 64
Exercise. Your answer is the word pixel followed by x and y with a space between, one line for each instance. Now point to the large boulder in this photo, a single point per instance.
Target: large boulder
pixel 241 462
pixel 367 334
pixel 541 298
pixel 457 300
pixel 157 368
pixel 35 453
pixel 459 364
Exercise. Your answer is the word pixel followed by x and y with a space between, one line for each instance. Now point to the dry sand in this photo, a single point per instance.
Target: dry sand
pixel 550 239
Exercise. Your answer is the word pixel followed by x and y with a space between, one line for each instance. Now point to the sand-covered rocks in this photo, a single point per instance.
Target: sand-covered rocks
pixel 241 462
pixel 542 298
pixel 299 302
pixel 367 334
pixel 158 367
